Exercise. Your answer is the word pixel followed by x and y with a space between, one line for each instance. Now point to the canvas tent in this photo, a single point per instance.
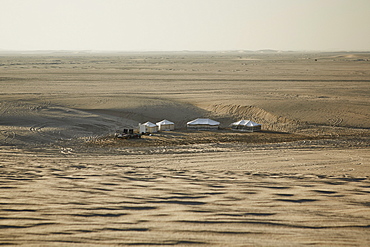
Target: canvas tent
pixel 148 127
pixel 165 125
pixel 203 124
pixel 246 125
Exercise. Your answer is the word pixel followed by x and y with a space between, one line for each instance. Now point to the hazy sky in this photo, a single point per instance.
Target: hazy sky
pixel 145 25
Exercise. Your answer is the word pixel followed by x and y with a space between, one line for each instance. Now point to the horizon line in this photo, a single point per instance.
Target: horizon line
pixel 158 51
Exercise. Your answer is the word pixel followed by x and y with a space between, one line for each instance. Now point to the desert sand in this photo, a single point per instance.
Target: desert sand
pixel 66 181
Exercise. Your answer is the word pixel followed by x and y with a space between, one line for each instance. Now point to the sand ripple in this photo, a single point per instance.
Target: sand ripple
pixel 63 202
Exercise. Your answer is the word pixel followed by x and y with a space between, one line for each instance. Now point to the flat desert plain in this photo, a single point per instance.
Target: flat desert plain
pixel 303 180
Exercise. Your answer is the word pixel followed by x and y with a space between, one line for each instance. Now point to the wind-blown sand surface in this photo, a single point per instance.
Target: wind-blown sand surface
pixel 303 180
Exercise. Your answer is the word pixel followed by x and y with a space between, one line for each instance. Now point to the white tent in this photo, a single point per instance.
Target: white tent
pixel 165 125
pixel 203 123
pixel 148 127
pixel 246 125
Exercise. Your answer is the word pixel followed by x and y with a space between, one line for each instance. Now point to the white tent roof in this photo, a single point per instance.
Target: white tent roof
pixel 203 121
pixel 247 123
pixel 149 124
pixel 165 122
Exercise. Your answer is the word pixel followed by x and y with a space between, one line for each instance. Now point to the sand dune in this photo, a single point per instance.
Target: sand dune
pixel 276 197
pixel 304 180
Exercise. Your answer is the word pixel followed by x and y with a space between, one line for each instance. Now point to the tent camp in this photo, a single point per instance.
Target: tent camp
pixel 165 125
pixel 246 125
pixel 148 127
pixel 203 124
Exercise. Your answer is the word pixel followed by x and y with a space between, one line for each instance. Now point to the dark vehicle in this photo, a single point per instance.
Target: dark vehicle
pixel 127 134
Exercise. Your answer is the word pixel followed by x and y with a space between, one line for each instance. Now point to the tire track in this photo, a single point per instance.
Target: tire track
pixel 9 135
